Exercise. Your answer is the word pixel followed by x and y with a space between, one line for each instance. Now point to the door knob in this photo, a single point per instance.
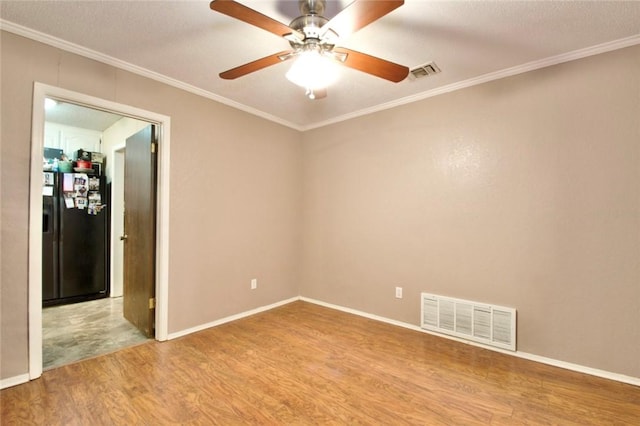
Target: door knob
pixel 123 237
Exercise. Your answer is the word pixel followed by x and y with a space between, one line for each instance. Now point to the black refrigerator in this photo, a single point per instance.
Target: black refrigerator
pixel 75 238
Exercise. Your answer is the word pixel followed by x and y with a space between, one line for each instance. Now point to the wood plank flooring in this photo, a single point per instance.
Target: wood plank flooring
pixel 303 364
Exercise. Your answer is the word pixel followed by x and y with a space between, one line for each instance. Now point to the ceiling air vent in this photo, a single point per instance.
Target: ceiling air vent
pixel 425 70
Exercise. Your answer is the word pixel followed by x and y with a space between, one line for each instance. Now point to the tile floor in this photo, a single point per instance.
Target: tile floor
pixel 84 330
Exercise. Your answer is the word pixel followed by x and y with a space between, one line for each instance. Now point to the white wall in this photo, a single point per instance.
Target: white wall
pixel 113 146
pixel 115 136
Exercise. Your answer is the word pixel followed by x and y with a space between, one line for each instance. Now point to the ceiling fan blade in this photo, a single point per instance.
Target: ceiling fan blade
pixel 373 65
pixel 250 16
pixel 359 14
pixel 256 65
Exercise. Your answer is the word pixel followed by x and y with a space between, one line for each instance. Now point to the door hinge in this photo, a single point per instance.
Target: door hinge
pixel 152 303
pixel 153 147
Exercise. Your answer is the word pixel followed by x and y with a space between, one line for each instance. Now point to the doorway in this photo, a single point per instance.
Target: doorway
pixel 162 122
pixel 87 325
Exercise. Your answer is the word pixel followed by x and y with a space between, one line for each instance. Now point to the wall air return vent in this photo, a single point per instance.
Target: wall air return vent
pixel 425 70
pixel 478 322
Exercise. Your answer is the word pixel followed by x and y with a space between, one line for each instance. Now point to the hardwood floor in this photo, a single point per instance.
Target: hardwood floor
pixel 304 364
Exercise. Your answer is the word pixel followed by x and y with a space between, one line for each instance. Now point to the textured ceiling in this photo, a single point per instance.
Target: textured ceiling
pixel 79 116
pixel 187 44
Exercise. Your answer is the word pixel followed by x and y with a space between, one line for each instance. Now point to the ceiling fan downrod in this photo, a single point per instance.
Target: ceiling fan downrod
pixel 312 7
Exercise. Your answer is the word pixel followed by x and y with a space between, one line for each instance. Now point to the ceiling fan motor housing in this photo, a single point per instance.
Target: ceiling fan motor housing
pixel 310 25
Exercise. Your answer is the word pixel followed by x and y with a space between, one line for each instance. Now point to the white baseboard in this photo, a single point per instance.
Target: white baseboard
pixel 531 357
pixel 24 378
pixel 361 313
pixel 13 381
pixel 230 318
pixel 580 368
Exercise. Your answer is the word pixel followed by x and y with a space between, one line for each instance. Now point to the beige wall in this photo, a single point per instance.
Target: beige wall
pixel 524 192
pixel 235 193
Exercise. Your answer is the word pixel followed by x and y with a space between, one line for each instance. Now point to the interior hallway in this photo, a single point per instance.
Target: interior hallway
pixel 84 330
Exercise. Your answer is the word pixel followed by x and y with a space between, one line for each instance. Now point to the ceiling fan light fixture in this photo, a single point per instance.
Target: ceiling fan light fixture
pixel 312 70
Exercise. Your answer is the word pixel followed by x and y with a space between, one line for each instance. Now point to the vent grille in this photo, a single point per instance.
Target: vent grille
pixel 425 70
pixel 488 324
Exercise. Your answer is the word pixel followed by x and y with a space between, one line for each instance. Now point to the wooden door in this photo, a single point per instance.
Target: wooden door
pixel 140 230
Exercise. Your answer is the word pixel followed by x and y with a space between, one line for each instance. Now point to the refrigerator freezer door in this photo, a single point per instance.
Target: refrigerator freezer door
pixel 82 251
pixel 50 284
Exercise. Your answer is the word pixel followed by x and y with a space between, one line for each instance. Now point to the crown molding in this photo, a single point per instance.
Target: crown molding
pixel 496 75
pixel 117 63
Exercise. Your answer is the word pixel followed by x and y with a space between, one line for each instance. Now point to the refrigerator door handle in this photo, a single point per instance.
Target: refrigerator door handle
pixel 45 223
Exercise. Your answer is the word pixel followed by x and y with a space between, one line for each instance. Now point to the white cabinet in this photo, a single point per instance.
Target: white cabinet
pixel 51 136
pixel 71 139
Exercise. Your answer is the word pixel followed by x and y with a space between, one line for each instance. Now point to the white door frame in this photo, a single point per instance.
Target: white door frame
pixel 40 92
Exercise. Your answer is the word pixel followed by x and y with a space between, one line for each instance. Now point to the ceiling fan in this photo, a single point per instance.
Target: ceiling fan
pixel 313 40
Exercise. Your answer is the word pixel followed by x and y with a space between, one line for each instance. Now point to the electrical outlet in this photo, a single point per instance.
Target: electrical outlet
pixel 254 283
pixel 398 292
